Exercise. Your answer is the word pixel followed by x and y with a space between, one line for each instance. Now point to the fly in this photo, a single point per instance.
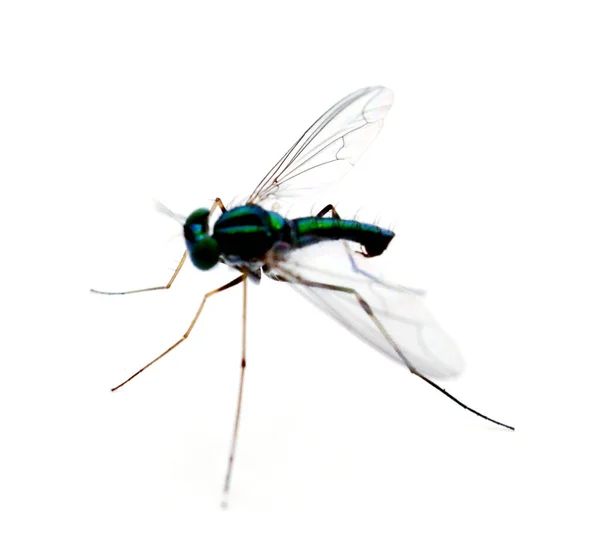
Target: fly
pixel 313 253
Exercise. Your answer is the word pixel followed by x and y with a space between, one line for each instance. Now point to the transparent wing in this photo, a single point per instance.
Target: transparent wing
pixel 329 147
pixel 389 317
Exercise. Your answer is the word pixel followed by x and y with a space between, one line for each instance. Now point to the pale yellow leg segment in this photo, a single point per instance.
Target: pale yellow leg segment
pixel 236 281
pixel 165 287
pixel 227 485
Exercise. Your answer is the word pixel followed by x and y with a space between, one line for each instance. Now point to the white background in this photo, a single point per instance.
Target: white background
pixel 488 170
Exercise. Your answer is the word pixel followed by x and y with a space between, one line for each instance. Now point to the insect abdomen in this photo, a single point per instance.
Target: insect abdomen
pixel 310 230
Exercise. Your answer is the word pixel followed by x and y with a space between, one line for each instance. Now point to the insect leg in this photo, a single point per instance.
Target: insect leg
pixel 230 284
pixel 327 209
pixel 216 204
pixel 164 287
pixel 366 307
pixel 227 484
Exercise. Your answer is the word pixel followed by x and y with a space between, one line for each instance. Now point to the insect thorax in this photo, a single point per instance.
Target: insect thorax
pixel 245 234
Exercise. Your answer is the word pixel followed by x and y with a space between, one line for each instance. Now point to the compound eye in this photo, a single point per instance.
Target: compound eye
pixel 204 252
pixel 198 217
pixel 196 224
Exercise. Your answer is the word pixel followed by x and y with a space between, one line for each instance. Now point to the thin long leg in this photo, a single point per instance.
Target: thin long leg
pixel 164 287
pixel 227 484
pixel 218 203
pixel 236 281
pixel 365 306
pixel 327 209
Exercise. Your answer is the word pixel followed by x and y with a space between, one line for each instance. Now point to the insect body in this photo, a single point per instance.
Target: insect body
pixel 313 253
pixel 243 236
